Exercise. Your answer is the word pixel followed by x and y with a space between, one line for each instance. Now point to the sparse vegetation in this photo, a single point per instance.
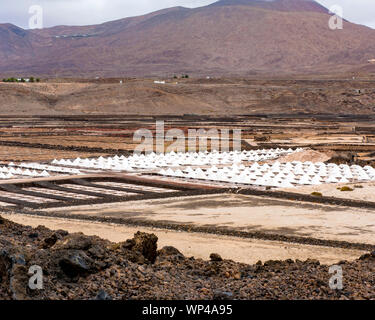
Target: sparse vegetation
pixel 12 79
pixel 183 76
pixel 317 194
pixel 346 188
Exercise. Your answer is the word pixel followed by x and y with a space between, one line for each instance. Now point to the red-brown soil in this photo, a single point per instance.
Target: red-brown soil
pixel 229 37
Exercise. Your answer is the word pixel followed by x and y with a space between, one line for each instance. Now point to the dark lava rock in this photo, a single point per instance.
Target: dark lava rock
pixel 128 244
pixel 61 233
pixel 222 295
pixel 146 244
pixel 103 270
pixel 215 257
pixel 169 251
pixel 289 261
pixel 49 241
pixel 75 241
pixel 365 256
pixel 313 262
pixel 76 264
pixel 141 249
pixel 272 263
pixel 13 273
pixel 103 295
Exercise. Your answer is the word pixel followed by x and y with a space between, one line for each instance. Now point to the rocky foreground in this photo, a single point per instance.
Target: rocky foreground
pixel 76 266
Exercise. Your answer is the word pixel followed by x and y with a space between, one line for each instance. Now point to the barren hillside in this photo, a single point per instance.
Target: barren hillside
pixel 211 97
pixel 230 37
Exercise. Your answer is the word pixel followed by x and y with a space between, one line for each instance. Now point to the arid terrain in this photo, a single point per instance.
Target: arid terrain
pixel 80 267
pixel 236 37
pixel 297 232
pixel 282 227
pixel 210 97
pixel 257 173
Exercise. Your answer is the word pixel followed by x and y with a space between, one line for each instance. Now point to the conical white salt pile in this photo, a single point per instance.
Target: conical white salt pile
pixel 343 180
pixel 260 182
pixel 162 172
pixel 331 179
pixel 44 173
pixel 304 180
pixel 316 181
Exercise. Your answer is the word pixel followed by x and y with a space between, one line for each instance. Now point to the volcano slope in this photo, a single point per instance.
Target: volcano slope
pixel 242 37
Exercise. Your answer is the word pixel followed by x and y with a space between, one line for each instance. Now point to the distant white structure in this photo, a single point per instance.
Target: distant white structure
pixel 159 82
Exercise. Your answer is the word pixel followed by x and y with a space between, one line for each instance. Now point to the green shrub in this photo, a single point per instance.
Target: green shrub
pixel 12 79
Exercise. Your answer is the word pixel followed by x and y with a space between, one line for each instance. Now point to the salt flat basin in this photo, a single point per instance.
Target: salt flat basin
pixel 245 213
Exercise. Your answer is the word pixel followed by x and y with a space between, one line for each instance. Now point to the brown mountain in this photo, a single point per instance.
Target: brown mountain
pixel 228 37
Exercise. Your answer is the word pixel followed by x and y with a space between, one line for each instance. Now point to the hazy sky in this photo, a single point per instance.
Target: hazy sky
pixel 84 12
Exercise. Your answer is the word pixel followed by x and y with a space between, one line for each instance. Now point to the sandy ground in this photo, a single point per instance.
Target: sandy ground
pixel 197 244
pixel 8 154
pixel 306 155
pixel 361 191
pixel 247 213
pixel 192 96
